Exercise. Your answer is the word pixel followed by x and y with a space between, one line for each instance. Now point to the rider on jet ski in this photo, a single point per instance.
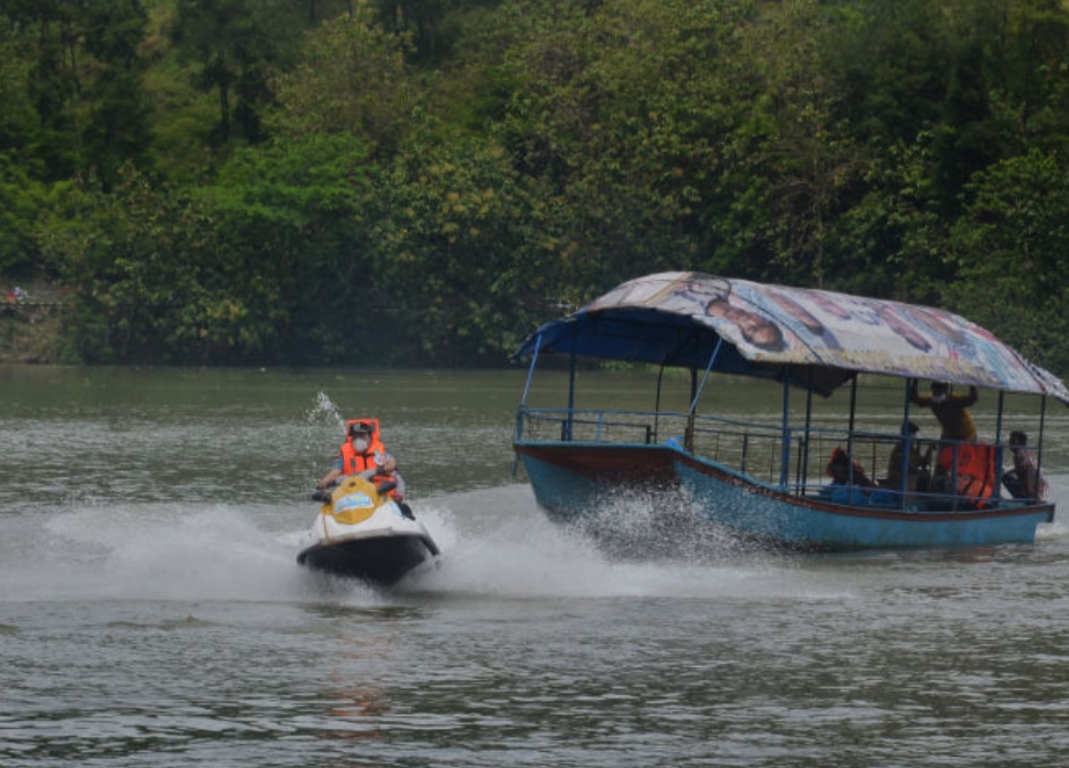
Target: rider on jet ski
pixel 361 451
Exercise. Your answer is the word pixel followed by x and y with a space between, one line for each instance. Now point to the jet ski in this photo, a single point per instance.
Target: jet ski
pixel 360 531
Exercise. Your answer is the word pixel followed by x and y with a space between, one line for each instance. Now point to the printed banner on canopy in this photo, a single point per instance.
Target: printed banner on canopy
pixel 780 324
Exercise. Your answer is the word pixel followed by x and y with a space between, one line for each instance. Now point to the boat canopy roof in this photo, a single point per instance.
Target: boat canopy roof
pixel 810 337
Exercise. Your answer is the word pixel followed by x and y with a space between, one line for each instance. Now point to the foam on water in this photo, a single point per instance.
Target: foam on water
pixel 501 544
pixel 494 543
pixel 153 552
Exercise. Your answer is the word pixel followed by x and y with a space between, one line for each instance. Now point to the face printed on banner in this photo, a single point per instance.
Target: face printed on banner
pixel 893 321
pixel 827 305
pixel 756 329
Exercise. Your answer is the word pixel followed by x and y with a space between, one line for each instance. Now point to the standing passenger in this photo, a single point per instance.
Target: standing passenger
pixel 951 410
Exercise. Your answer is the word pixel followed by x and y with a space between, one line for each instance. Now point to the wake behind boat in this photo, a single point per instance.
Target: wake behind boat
pixel 765 477
pixel 363 533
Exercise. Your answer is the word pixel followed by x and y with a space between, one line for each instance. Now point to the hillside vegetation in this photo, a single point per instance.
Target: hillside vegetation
pixel 421 182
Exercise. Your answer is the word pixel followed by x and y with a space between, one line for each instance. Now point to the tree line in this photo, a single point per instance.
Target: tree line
pixel 422 182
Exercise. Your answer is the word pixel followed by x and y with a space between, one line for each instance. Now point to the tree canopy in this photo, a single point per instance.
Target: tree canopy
pixel 326 182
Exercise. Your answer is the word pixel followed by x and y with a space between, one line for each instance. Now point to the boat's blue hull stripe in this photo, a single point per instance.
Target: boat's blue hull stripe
pixel 570 490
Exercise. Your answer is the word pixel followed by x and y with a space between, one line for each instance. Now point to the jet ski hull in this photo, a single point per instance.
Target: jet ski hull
pixel 382 560
pixel 361 532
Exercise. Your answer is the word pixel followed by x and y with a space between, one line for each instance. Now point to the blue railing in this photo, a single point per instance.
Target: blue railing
pixel 752 448
pixel 795 459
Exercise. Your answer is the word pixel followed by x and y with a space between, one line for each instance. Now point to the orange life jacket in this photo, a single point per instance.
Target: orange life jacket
pixel 975 472
pixel 354 462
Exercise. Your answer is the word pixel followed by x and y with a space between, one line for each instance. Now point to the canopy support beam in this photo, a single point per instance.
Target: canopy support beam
pixel 688 436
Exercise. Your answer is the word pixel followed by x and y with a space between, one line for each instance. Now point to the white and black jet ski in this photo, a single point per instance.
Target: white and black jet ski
pixel 360 531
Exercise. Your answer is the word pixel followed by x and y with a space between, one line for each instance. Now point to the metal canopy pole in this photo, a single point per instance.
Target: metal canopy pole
pixel 998 421
pixel 850 432
pixel 907 451
pixel 708 368
pixel 688 435
pixel 522 410
pixel 571 397
pixel 907 441
pixel 657 404
pixel 1039 445
pixel 804 473
pixel 530 372
pixel 785 444
pixel 998 444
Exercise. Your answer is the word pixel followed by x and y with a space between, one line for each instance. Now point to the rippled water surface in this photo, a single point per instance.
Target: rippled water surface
pixel 152 613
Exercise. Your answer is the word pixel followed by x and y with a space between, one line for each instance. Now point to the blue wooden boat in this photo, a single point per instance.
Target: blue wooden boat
pixel 812 476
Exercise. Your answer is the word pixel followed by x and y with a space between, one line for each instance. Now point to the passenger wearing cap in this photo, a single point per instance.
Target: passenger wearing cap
pixel 361 451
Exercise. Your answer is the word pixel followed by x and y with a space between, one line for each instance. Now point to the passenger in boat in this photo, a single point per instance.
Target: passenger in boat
pixel 361 451
pixel 1024 480
pixel 957 426
pixel 844 471
pixel 951 410
pixel 964 467
pixel 918 467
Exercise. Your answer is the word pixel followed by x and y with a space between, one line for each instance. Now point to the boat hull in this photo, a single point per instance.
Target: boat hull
pixel 569 480
pixel 381 560
pixel 728 499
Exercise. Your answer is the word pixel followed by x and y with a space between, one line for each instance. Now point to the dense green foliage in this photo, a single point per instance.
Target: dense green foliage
pixel 421 182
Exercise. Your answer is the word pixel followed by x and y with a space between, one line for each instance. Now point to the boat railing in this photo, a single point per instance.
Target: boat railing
pixel 594 426
pixel 749 447
pixel 933 474
pixel 797 460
